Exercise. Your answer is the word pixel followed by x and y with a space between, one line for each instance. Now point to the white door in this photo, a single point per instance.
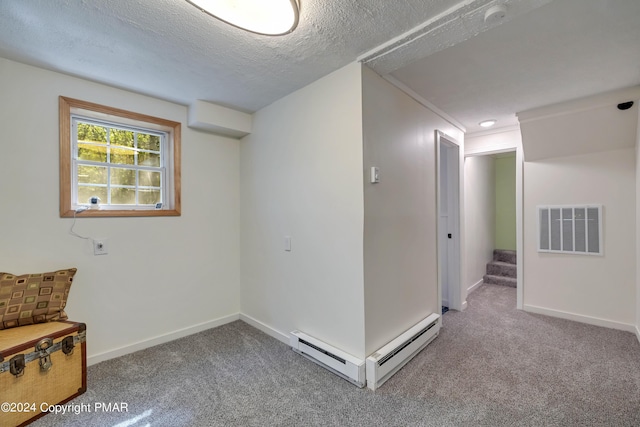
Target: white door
pixel 448 208
pixel 443 228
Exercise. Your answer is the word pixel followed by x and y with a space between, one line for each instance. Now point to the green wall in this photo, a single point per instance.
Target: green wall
pixel 506 202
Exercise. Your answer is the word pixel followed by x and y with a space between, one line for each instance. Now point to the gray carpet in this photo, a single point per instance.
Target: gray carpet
pixel 491 366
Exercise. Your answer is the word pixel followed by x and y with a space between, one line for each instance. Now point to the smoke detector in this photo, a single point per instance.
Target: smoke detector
pixel 495 14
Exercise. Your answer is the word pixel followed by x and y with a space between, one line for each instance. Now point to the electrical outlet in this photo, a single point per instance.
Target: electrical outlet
pixel 100 247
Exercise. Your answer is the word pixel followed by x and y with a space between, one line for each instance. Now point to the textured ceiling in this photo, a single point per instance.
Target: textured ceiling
pixel 564 50
pixel 170 49
pixel 543 52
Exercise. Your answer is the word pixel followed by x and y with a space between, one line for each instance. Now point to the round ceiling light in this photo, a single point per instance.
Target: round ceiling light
pixel 488 123
pixel 267 17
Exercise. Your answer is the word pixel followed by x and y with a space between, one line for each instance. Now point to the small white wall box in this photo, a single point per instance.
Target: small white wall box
pixel 375 175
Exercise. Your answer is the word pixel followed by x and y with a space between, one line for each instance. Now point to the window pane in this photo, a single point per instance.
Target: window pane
pixel 148 159
pixel 100 148
pixel 567 229
pixel 92 133
pixel 123 196
pixel 121 176
pixel 148 142
pixel 593 225
pixel 581 243
pixel 147 196
pixel 121 137
pixel 544 229
pixel 122 156
pixel 85 193
pixel 94 153
pixel 92 174
pixel 149 179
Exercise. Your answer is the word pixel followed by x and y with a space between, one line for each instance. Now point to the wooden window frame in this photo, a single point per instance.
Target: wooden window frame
pixel 67 106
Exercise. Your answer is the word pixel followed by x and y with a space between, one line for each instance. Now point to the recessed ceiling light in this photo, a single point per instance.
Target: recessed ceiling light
pixel 488 123
pixel 267 17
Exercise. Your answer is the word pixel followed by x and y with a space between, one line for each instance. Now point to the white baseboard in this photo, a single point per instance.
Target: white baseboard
pixel 638 332
pixel 474 286
pixel 581 318
pixel 161 339
pixel 280 336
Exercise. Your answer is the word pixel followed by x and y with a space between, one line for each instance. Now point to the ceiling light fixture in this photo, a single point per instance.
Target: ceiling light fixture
pixel 488 123
pixel 267 17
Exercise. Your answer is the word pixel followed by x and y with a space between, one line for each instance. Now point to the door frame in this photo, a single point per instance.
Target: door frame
pixel 455 194
pixel 513 146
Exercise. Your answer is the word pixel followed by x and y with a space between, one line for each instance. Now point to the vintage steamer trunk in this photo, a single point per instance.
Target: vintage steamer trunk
pixel 40 365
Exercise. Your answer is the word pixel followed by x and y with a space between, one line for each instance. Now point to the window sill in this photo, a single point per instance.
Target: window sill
pixel 90 213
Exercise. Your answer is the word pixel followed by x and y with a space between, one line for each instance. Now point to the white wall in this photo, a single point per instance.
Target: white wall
pixel 301 177
pixel 584 153
pixel 492 141
pixel 479 218
pixel 581 126
pixel 638 229
pixel 400 261
pixel 505 185
pixel 162 275
pixel 594 289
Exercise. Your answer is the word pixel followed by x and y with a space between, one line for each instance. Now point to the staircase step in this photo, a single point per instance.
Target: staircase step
pixel 500 280
pixel 499 268
pixel 504 255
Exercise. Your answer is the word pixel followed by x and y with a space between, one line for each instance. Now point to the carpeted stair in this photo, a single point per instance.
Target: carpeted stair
pixel 502 270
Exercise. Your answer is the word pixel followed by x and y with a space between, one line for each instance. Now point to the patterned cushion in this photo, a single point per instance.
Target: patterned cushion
pixel 34 298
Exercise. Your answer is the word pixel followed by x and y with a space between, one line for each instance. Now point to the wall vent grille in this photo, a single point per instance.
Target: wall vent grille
pixel 574 229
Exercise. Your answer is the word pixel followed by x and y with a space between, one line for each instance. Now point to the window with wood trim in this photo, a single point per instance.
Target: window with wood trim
pixel 116 162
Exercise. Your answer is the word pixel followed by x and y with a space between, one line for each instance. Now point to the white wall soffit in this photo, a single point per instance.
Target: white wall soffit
pixel 460 23
pixel 587 125
pixel 413 94
pixel 220 120
pixel 493 141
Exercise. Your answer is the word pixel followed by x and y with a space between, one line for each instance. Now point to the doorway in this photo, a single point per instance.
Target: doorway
pixel 448 222
pixel 498 146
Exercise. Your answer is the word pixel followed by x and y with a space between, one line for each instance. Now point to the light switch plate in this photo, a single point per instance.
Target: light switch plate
pixel 375 175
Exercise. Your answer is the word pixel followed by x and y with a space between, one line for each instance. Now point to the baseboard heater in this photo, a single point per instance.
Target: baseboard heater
pixel 337 361
pixel 382 364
